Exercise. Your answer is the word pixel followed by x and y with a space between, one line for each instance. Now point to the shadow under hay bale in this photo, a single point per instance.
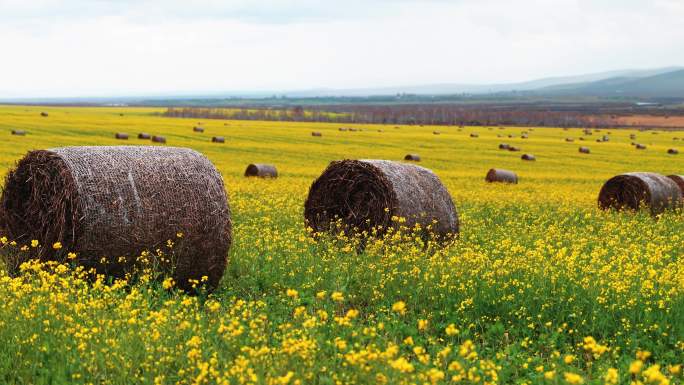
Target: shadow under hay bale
pixel 119 201
pixel 366 194
pixel 640 146
pixel 316 134
pixel 504 146
pixel 499 175
pixel 144 135
pixel 584 150
pixel 19 132
pixel 261 170
pixel 44 114
pixel 679 180
pixel 673 151
pixel 218 139
pixel 198 129
pixel 412 157
pixel 632 190
pixel 121 136
pixel 159 139
pixel 528 157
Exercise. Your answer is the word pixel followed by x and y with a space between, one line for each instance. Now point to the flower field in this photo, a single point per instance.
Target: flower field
pixel 541 287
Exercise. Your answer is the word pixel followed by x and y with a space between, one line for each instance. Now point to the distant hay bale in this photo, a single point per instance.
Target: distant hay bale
pixel 504 146
pixel 342 129
pixel 144 135
pixel 640 146
pixel 44 114
pixel 436 132
pixel 261 170
pixel 19 132
pixel 570 140
pixel 584 150
pixel 514 149
pixel 381 131
pixel 632 136
pixel 412 157
pixel 605 138
pixel 528 157
pixel 523 136
pixel 352 129
pixel 474 135
pixel 499 175
pixel 316 134
pixel 121 136
pixel 599 140
pixel 632 190
pixel 673 151
pixel 198 129
pixel 218 139
pixel 366 194
pixel 511 136
pixel 679 180
pixel 117 202
pixel 582 139
pixel 159 139
pixel 587 132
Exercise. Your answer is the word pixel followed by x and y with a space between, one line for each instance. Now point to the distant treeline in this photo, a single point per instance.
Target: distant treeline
pixel 427 114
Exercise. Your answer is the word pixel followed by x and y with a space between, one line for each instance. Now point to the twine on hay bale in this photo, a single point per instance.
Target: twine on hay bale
pixel 316 134
pixel 118 201
pixel 679 180
pixel 632 190
pixel 261 170
pixel 366 194
pixel 218 139
pixel 159 139
pixel 19 132
pixel 499 175
pixel 144 135
pixel 198 129
pixel 528 157
pixel 584 150
pixel 673 151
pixel 121 136
pixel 504 146
pixel 412 157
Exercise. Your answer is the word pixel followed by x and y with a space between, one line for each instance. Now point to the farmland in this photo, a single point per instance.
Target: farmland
pixel 541 287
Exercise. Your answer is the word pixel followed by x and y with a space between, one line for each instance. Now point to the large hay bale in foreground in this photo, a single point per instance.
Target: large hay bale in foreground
pixel 261 170
pixel 499 175
pixel 366 194
pixel 118 201
pixel 679 179
pixel 632 190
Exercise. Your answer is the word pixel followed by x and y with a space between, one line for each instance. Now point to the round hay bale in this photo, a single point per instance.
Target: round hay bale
pixel 640 146
pixel 436 132
pixel 261 170
pixel 381 131
pixel 119 201
pixel 632 190
pixel 366 194
pixel 673 151
pixel 44 114
pixel 352 129
pixel 159 139
pixel 584 150
pixel 316 134
pixel 342 129
pixel 474 135
pixel 582 139
pixel 632 136
pixel 121 136
pixel 528 157
pixel 412 157
pixel 605 138
pixel 570 140
pixel 144 135
pixel 218 139
pixel 499 175
pixel 679 180
pixel 523 136
pixel 198 129
pixel 19 132
pixel 599 140
pixel 514 149
pixel 504 146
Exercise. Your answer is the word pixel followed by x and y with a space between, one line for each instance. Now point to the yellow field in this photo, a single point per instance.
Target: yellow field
pixel 541 287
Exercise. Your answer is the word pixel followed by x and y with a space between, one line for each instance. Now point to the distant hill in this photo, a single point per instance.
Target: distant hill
pixel 663 85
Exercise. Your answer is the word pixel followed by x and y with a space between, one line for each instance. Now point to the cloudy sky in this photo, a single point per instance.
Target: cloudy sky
pixel 149 47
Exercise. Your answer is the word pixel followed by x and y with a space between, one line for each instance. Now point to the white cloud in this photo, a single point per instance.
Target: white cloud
pixel 74 48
